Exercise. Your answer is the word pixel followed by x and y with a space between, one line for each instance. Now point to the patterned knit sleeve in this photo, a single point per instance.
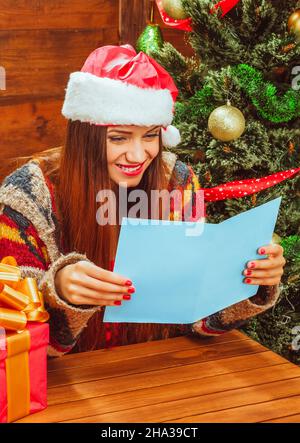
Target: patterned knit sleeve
pixel 236 315
pixel 19 238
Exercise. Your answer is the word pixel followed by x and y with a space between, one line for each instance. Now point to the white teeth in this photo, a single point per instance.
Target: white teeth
pixel 129 169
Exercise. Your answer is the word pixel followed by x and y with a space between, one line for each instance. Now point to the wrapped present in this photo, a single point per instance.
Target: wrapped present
pixel 24 337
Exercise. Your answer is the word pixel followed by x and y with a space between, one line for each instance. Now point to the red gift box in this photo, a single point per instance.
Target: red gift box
pixel 23 371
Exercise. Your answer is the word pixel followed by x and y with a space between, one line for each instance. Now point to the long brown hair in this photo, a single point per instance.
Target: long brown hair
pixel 79 171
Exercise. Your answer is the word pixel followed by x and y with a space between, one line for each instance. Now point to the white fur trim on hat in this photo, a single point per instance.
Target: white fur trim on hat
pixel 107 101
pixel 170 136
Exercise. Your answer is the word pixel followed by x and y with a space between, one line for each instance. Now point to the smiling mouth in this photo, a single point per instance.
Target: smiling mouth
pixel 130 168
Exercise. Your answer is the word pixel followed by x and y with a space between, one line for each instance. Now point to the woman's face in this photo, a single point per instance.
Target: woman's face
pixel 130 150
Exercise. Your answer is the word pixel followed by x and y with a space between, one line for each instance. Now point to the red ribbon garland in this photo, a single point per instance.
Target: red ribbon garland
pixel 241 188
pixel 184 24
pixel 225 6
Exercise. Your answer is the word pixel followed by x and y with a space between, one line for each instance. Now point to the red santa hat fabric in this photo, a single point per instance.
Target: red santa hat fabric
pixel 117 86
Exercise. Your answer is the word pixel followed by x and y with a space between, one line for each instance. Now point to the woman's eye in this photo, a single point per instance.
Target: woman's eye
pixel 116 139
pixel 152 135
pixel 119 139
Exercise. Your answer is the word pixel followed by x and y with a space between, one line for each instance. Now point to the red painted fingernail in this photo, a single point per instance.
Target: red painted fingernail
pixel 131 290
pixel 118 302
pixel 128 283
pixel 251 265
pixel 248 280
pixel 262 251
pixel 126 297
pixel 248 272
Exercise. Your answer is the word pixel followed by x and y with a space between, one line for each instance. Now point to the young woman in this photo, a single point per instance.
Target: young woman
pixel 119 109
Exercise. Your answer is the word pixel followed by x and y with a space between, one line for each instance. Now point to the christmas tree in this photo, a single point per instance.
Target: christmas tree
pixel 250 57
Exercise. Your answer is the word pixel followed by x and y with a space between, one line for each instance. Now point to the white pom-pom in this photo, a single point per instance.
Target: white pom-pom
pixel 170 136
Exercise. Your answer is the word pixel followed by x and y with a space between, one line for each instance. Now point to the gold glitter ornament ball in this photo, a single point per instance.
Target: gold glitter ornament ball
pixel 174 9
pixel 294 22
pixel 226 123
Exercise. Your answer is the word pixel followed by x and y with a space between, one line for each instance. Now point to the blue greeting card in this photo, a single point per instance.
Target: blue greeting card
pixel 185 271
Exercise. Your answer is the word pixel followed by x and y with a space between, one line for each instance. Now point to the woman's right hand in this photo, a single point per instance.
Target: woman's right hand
pixel 84 283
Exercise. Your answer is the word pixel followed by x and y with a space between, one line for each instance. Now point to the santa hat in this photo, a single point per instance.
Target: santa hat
pixel 117 86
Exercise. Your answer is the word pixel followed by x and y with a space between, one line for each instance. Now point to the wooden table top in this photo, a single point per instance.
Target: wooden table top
pixel 229 378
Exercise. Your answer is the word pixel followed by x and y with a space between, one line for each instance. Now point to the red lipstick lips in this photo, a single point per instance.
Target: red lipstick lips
pixel 131 170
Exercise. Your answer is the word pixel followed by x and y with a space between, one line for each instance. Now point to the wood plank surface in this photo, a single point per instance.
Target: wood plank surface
pixel 295 418
pixel 71 14
pixel 229 378
pixel 38 62
pixel 255 413
pixel 121 353
pixel 133 16
pixel 153 362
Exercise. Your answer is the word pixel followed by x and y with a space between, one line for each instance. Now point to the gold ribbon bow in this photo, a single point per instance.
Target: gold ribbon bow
pixel 20 299
pixel 20 302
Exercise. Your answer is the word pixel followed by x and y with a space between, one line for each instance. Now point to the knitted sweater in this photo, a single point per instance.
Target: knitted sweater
pixel 30 231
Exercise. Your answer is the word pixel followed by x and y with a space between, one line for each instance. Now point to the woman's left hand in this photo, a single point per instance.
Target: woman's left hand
pixel 266 271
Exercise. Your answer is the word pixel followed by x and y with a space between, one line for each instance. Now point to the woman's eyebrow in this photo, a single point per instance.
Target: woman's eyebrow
pixel 129 132
pixel 152 129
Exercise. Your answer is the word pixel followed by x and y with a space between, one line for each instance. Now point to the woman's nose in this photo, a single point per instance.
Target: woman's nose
pixel 137 153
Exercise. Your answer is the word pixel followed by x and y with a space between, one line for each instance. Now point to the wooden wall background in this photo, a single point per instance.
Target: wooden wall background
pixel 41 43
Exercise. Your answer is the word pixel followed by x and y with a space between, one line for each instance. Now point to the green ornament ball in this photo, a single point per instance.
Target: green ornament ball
pixel 226 123
pixel 151 39
pixel 174 9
